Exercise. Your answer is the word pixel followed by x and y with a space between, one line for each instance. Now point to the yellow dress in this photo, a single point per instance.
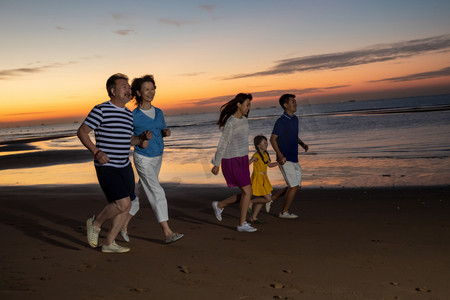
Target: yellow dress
pixel 260 182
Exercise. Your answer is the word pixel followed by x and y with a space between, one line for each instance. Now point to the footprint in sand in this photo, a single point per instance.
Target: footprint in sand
pixel 423 289
pixel 84 267
pixel 44 278
pixel 184 269
pixel 138 290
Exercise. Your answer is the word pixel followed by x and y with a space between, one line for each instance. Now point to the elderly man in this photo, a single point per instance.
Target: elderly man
pixel 112 123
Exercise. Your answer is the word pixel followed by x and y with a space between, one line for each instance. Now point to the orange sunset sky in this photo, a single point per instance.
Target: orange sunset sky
pixel 57 55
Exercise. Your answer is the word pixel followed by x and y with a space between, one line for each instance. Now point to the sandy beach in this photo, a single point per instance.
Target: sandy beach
pixel 355 94
pixel 379 243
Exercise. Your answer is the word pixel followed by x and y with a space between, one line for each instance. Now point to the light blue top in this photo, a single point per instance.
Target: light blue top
pixel 141 123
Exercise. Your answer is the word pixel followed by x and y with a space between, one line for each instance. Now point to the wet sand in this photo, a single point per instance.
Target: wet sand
pixel 39 157
pixel 379 243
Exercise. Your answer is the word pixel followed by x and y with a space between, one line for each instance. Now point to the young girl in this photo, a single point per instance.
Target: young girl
pixel 232 154
pixel 260 182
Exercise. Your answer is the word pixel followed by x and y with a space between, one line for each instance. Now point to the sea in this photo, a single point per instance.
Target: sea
pixel 378 143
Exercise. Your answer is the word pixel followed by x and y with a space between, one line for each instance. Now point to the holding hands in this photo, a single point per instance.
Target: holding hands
pixel 281 159
pixel 305 146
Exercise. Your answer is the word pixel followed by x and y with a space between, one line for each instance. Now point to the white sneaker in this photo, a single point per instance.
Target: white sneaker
pixel 124 235
pixel 92 232
pixel 245 227
pixel 287 215
pixel 114 248
pixel 217 211
pixel 268 205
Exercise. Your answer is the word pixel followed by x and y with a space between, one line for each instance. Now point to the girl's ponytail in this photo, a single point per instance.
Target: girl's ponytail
pixel 256 141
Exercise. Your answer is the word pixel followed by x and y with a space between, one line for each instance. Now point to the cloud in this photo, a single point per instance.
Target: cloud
pixel 18 72
pixel 61 28
pixel 7 74
pixel 95 56
pixel 192 74
pixel 265 94
pixel 124 31
pixel 180 23
pixel 372 54
pixel 208 8
pixel 27 113
pixel 119 16
pixel 417 76
pixel 174 22
pixel 170 22
pixel 124 21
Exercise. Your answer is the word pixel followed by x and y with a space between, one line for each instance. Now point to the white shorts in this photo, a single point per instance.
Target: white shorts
pixel 292 173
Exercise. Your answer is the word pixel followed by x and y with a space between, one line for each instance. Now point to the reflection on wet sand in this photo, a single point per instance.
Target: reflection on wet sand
pixel 317 171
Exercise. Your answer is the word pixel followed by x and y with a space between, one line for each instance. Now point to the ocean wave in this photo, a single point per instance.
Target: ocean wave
pixel 381 111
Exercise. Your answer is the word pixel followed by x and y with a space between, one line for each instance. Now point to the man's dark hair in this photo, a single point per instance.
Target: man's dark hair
pixel 111 82
pixel 284 99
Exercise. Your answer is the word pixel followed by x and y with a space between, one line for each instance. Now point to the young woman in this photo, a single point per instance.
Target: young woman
pixel 232 155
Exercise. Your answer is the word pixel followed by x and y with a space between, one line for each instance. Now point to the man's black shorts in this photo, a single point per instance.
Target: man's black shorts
pixel 116 183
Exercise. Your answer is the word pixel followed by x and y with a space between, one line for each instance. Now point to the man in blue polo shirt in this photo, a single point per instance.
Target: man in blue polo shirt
pixel 285 141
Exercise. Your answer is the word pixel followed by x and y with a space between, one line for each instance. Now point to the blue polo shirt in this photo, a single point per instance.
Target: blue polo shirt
pixel 286 130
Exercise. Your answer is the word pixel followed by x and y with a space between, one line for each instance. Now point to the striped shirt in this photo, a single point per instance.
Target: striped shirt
pixel 113 127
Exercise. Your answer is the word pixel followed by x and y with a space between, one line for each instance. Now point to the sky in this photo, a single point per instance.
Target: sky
pixel 57 55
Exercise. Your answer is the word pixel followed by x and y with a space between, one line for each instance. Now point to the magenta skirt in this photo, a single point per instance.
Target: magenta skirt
pixel 236 171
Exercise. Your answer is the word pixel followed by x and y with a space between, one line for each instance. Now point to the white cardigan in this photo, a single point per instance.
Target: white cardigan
pixel 234 140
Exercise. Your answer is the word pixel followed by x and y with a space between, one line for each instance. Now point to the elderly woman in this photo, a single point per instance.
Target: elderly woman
pixel 147 118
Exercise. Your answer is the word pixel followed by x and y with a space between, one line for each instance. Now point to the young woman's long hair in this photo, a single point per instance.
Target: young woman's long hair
pixel 256 141
pixel 230 108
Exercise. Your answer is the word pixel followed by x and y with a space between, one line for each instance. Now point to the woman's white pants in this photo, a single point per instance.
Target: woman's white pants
pixel 148 169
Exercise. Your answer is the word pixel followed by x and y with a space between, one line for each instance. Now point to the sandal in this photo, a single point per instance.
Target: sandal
pixel 175 237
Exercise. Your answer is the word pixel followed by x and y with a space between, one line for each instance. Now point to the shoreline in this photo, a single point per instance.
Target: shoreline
pixel 67 162
pixel 44 158
pixel 36 139
pixel 370 243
